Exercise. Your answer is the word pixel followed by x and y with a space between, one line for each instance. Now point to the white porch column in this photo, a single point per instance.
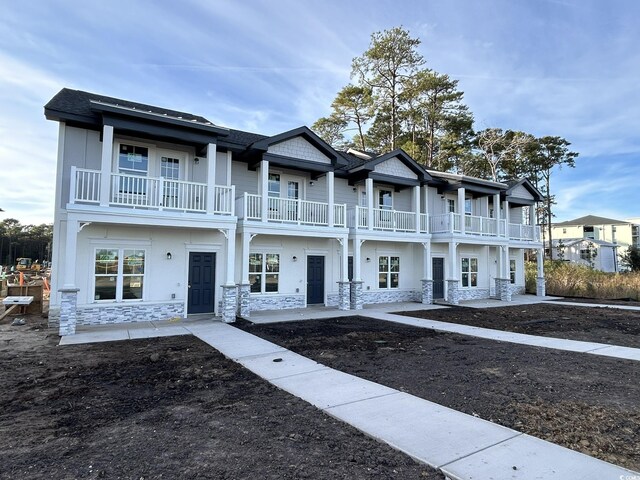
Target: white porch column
pixel 357 258
pixel 461 212
pixel 453 261
pixel 427 266
pixel 532 215
pixel 211 177
pixel 344 259
pixel 244 262
pixel 505 263
pixel 264 190
pixel 330 199
pixel 70 257
pixel 496 206
pixel 505 207
pixel 416 206
pixel 540 259
pixel 105 166
pixel 369 189
pixel 231 257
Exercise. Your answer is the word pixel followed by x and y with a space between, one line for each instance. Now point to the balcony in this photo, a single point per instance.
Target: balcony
pixel 290 211
pixel 150 193
pixel 473 225
pixel 527 233
pixel 387 220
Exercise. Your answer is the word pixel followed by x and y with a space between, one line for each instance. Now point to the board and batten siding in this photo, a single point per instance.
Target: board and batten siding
pixel 82 149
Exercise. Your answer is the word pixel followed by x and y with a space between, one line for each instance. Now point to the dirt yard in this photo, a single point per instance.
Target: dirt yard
pixel 584 402
pixel 165 408
pixel 589 324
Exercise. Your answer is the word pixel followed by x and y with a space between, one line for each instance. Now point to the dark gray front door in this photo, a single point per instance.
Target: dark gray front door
pixel 437 271
pixel 315 279
pixel 202 266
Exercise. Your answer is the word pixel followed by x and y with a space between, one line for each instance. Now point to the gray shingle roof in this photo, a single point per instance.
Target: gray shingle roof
pixel 591 220
pixel 78 102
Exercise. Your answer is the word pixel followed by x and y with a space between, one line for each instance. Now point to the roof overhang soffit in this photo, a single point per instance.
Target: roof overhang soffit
pixel 474 189
pixel 171 133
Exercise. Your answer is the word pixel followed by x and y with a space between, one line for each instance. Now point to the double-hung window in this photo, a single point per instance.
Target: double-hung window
pixel 119 274
pixel 388 272
pixel 512 270
pixel 469 272
pixel 264 272
pixel 451 205
pixel 133 165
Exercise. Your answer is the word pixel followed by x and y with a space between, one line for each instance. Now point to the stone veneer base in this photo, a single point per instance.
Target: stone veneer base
pixel 130 312
pixel 276 302
pixel 473 293
pixel 391 296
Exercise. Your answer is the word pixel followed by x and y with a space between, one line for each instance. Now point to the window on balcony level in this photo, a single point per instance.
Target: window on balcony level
pixel 133 161
pixel 451 205
pixel 385 199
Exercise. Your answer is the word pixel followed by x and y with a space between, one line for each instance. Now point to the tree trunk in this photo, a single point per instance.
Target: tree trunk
pixel 548 199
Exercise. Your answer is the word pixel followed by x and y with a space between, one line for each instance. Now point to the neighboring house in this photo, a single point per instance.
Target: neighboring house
pixel 598 254
pixel 619 232
pixel 162 214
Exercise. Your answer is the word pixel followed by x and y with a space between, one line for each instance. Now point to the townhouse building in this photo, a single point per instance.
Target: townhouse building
pixel 162 214
pixel 606 231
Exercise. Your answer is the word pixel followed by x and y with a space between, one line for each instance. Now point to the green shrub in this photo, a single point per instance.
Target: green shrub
pixel 572 280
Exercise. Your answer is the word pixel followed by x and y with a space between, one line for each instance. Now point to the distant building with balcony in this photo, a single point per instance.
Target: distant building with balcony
pixel 621 233
pixel 162 214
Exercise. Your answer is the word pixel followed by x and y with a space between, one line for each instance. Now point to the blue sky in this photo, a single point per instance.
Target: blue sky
pixel 548 67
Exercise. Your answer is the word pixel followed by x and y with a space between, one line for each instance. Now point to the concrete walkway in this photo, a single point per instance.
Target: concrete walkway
pixel 607 350
pixel 460 445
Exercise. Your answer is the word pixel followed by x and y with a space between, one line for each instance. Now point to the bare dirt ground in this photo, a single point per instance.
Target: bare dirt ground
pixel 169 408
pixel 588 324
pixel 584 402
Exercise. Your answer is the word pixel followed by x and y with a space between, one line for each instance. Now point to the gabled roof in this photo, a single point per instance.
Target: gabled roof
pixel 511 196
pixel 370 164
pixel 591 220
pixel 304 132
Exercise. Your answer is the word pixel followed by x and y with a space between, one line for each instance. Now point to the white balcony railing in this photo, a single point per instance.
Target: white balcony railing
pixel 387 220
pixel 290 210
pixel 156 193
pixel 445 223
pixel 524 232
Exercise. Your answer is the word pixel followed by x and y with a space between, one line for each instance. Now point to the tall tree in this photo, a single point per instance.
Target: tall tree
pixel 389 62
pixel 331 130
pixel 355 105
pixel 498 148
pixel 551 152
pixel 435 111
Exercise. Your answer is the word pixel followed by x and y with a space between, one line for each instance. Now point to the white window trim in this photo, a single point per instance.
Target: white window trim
pixel 389 272
pixel 263 273
pixel 120 275
pixel 470 271
pixel 514 271
pixel 377 197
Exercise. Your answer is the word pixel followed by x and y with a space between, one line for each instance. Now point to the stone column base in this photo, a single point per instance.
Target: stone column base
pixel 541 288
pixel 503 289
pixel 344 295
pixel 453 293
pixel 229 303
pixel 427 292
pixel 355 296
pixel 68 311
pixel 244 303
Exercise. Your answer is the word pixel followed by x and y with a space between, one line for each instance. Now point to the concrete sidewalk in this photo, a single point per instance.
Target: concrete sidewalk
pixel 460 445
pixel 607 350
